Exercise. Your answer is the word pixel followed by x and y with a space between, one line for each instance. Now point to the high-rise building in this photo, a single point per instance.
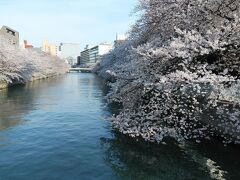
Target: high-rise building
pixel 85 56
pixel 53 49
pixel 92 55
pixel 70 51
pixel 78 60
pixel 45 46
pixel 11 35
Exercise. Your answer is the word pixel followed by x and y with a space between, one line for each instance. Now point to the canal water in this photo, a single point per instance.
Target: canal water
pixel 58 129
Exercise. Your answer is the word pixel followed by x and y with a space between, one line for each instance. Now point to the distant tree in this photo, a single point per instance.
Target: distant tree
pixel 21 65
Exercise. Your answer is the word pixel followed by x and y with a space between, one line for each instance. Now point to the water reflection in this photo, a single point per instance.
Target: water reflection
pixel 11 107
pixel 138 160
pixel 14 104
pixel 220 159
pixel 141 160
pixel 131 159
pixel 63 136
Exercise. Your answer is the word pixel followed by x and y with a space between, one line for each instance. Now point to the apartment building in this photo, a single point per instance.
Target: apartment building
pixel 10 34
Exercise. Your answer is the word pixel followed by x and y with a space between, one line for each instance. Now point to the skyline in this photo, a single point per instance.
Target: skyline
pixel 72 21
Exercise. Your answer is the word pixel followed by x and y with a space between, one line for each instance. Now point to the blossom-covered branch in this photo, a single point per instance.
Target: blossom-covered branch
pixel 178 75
pixel 20 65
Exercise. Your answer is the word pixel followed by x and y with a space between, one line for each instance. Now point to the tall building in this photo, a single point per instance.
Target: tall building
pixel 70 51
pixel 45 46
pixel 11 35
pixel 78 60
pixel 85 56
pixel 49 48
pixel 92 55
pixel 53 49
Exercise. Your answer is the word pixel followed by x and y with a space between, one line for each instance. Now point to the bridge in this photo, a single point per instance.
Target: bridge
pixel 89 70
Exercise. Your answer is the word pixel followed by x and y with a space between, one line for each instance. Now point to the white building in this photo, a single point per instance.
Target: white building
pixel 92 55
pixel 70 51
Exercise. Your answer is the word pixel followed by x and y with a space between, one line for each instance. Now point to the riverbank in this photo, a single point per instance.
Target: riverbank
pixel 18 66
pixel 4 85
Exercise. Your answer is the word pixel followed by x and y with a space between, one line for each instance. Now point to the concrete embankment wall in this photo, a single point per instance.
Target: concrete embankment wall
pixel 4 85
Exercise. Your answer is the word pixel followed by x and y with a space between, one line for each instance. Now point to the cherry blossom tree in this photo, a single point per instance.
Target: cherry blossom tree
pixel 178 75
pixel 21 65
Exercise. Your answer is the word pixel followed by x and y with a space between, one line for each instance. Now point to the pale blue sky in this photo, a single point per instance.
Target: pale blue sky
pixel 79 21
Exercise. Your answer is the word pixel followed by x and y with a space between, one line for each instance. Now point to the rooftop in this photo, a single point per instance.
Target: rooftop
pixel 1 26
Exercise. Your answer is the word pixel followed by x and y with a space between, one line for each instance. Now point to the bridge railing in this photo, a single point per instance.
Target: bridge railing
pixel 80 70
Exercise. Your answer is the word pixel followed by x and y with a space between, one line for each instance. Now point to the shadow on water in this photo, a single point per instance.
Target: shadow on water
pixel 136 159
pixel 131 159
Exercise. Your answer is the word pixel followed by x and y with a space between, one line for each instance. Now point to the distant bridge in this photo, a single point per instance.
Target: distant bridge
pixel 80 70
